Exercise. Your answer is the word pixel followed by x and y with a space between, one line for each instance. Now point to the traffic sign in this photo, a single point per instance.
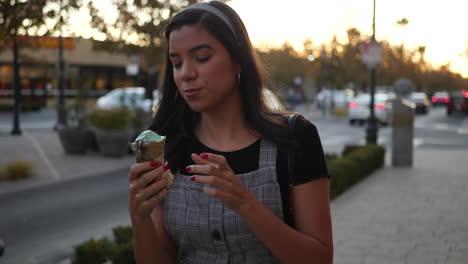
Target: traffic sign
pixel 371 53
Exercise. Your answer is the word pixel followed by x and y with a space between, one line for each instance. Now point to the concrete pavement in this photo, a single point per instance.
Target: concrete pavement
pixel 406 215
pixel 43 148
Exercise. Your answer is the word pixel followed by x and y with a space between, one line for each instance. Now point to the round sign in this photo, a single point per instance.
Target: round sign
pixel 371 53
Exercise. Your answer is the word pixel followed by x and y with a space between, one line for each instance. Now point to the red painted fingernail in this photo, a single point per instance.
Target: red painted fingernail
pixel 154 163
pixel 188 169
pixel 204 156
pixel 166 167
pixel 192 178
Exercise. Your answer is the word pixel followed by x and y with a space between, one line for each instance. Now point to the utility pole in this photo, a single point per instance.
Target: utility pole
pixel 17 87
pixel 372 128
pixel 61 115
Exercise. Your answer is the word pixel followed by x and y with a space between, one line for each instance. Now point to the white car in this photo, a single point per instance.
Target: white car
pixel 131 97
pixel 359 110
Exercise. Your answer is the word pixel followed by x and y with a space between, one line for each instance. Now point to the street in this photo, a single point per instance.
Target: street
pixel 42 224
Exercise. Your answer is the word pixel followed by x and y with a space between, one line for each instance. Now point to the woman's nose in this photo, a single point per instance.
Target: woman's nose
pixel 188 72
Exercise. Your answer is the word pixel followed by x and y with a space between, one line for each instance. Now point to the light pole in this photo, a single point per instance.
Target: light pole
pixel 17 87
pixel 372 128
pixel 61 118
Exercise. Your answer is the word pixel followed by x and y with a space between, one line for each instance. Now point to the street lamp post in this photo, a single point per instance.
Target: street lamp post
pixel 17 86
pixel 61 120
pixel 372 128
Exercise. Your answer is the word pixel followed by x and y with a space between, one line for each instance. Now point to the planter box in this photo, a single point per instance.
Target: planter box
pixel 74 140
pixel 114 143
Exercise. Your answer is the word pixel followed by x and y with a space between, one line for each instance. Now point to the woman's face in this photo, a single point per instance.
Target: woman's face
pixel 204 72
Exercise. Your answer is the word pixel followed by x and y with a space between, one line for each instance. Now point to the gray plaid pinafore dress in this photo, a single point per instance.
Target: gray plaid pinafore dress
pixel 205 231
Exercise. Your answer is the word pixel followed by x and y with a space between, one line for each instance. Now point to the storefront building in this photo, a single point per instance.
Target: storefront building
pixel 95 71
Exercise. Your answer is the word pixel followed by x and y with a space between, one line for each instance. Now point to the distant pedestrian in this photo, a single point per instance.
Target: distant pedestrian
pixel 231 200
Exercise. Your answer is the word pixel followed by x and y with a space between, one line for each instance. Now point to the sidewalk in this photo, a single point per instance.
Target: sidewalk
pixel 42 146
pixel 406 215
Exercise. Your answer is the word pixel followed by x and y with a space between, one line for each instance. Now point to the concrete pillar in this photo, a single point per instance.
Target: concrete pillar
pixel 402 125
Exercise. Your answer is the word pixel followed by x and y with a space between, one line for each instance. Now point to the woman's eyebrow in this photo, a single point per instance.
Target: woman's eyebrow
pixel 202 46
pixel 198 47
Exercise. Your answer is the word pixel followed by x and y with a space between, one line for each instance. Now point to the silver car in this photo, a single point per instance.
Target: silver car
pixel 359 110
pixel 131 97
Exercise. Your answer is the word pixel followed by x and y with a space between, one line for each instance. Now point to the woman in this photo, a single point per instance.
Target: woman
pixel 229 201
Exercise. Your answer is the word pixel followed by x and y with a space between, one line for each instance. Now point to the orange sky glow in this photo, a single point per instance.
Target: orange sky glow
pixel 438 25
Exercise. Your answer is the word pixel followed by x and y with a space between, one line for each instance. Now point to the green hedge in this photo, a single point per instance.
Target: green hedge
pixel 119 251
pixel 356 163
pixel 112 119
pixel 24 107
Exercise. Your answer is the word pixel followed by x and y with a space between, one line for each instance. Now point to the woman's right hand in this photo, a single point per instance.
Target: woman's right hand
pixel 146 188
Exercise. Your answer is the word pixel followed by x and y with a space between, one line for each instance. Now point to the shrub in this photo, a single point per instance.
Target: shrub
pixel 350 148
pixel 122 234
pixel 356 163
pixel 4 107
pixel 118 251
pixel 123 254
pixel 112 119
pixel 17 170
pixel 93 252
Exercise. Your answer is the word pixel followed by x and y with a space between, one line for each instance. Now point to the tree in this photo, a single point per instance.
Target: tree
pixel 137 29
pixel 16 18
pixel 22 18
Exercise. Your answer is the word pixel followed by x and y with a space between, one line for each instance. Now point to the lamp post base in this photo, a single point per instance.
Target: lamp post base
pixel 371 131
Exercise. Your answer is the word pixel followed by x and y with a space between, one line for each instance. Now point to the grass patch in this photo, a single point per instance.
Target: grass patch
pixel 17 170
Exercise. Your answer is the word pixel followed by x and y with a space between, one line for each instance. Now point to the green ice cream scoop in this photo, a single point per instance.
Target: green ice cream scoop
pixel 148 146
pixel 149 136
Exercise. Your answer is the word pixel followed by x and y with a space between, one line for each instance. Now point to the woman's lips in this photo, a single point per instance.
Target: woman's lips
pixel 192 92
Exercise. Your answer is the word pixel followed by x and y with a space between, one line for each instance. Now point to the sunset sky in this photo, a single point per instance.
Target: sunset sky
pixel 441 26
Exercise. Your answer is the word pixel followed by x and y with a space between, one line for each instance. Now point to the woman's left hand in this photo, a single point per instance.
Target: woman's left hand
pixel 214 170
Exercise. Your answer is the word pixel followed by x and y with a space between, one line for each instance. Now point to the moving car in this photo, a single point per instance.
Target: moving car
pixel 358 109
pixel 421 102
pixel 440 98
pixel 458 102
pixel 131 97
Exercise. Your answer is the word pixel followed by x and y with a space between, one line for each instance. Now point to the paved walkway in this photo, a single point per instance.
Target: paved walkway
pixel 406 215
pixel 43 148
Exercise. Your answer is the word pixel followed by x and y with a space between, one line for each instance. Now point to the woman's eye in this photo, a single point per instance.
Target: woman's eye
pixel 203 59
pixel 176 65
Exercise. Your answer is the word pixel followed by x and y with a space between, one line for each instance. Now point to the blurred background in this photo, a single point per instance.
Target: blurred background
pixel 78 74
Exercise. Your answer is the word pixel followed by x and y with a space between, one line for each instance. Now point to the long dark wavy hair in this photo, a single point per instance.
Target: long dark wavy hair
pixel 175 118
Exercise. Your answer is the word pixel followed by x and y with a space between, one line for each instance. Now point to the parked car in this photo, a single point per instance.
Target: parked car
pixel 421 102
pixel 131 97
pixel 358 109
pixel 458 102
pixel 440 98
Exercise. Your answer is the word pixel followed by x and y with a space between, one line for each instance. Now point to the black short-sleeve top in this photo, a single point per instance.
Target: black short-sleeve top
pixel 310 163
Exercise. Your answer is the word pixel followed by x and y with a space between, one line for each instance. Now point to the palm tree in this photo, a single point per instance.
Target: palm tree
pixel 402 23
